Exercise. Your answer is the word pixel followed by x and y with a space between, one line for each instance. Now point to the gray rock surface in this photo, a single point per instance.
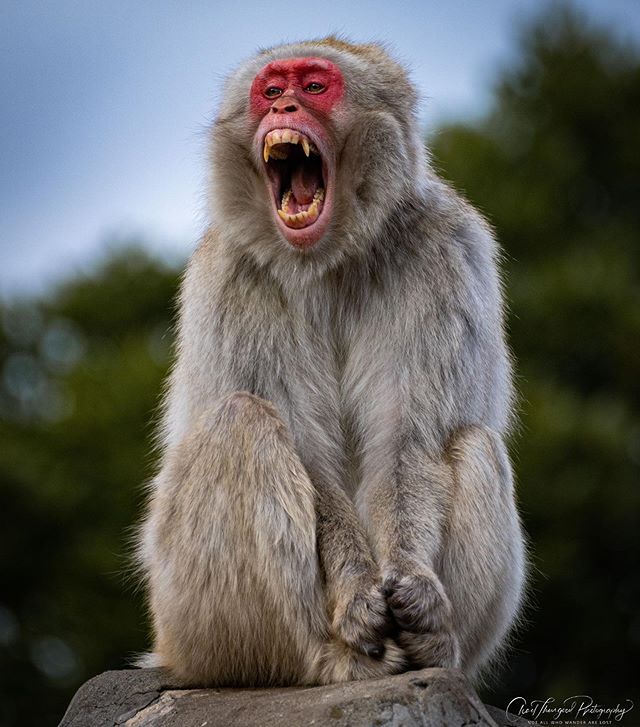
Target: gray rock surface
pixel 151 698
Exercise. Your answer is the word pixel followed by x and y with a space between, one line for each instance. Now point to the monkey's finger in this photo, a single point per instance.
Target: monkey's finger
pixel 367 639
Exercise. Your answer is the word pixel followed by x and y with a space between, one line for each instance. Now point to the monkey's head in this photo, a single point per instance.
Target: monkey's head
pixel 315 148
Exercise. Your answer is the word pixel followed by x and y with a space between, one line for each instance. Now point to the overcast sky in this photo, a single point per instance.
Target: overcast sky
pixel 104 105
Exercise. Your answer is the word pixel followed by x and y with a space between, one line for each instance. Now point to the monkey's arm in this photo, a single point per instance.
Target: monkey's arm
pixel 356 604
pixel 450 548
pixel 437 494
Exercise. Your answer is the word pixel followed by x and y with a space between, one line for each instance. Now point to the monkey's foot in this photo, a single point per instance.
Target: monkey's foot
pixel 439 649
pixel 361 618
pixel 340 663
pixel 422 613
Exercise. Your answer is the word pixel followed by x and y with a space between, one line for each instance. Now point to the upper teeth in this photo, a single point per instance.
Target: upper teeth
pixel 286 136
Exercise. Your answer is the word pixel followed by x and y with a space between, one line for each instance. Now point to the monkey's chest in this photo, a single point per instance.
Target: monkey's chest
pixel 342 409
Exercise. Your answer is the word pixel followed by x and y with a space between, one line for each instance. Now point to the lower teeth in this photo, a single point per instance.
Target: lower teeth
pixel 303 217
pixel 317 198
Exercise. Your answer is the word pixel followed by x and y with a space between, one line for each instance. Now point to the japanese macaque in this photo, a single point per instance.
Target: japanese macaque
pixel 335 499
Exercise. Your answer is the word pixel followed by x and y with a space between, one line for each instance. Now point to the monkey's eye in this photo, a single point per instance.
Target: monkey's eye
pixel 315 87
pixel 272 92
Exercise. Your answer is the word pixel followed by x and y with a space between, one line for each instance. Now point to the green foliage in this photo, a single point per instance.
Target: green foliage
pixel 556 167
pixel 82 374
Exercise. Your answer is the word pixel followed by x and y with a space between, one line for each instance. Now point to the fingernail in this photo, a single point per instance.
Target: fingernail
pixel 375 651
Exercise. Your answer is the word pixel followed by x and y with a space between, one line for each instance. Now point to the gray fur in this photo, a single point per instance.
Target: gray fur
pixel 366 468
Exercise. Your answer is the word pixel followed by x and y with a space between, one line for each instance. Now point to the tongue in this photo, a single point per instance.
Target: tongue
pixel 305 180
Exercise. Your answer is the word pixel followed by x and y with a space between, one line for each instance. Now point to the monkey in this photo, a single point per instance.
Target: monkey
pixel 334 498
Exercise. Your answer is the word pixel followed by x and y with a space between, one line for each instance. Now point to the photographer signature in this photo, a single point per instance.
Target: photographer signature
pixel 580 708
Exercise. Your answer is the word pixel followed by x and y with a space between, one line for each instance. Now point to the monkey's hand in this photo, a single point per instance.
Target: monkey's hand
pixel 422 613
pixel 361 616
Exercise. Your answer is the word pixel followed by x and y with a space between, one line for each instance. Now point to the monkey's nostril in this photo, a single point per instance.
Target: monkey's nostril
pixel 289 108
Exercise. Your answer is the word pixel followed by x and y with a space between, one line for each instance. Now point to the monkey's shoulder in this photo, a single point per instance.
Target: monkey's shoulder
pixel 455 226
pixel 216 274
pixel 449 253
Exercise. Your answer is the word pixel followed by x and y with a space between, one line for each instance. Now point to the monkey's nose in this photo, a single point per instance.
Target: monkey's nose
pixel 283 106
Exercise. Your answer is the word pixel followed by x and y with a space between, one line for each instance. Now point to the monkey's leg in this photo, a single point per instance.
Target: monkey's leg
pixel 229 547
pixel 483 556
pixel 450 547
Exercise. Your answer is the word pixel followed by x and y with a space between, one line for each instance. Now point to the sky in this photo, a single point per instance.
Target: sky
pixel 104 106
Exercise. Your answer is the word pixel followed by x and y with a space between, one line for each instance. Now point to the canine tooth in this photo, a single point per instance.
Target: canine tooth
pixel 305 145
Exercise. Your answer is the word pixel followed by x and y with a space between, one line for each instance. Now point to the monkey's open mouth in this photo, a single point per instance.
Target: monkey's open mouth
pixel 296 172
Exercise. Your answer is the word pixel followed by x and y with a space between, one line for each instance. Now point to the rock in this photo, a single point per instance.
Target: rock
pixel 151 698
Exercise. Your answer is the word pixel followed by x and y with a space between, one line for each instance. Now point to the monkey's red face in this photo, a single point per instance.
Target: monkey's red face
pixel 293 102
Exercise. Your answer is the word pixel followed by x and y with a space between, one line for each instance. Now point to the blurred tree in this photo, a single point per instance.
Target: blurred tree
pixel 556 166
pixel 81 376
